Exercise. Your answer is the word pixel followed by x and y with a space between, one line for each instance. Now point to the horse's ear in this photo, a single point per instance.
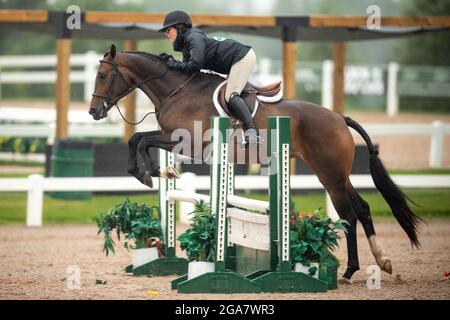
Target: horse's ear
pixel 112 50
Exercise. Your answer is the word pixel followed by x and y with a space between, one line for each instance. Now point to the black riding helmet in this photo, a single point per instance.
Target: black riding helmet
pixel 174 18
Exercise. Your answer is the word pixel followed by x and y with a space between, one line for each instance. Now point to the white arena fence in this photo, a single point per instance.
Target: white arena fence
pixel 435 130
pixel 364 79
pixel 35 186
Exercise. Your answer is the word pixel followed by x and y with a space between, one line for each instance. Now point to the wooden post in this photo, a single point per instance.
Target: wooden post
pixel 289 69
pixel 339 51
pixel 130 100
pixel 289 66
pixel 62 87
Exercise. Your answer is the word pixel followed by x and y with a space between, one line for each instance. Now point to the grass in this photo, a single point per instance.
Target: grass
pixel 420 171
pixel 16 174
pixel 435 203
pixel 21 163
pixel 13 207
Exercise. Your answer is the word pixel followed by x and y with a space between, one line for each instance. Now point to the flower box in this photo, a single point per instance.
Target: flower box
pixel 143 256
pixel 299 267
pixel 197 268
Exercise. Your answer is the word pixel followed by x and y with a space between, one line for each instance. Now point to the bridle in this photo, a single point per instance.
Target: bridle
pixel 108 101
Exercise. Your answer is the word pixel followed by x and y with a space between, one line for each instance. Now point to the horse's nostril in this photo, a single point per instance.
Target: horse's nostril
pixel 91 110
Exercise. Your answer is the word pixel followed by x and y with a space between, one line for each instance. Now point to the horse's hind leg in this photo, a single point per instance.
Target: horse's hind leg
pixel 343 204
pixel 362 210
pixel 161 141
pixel 133 143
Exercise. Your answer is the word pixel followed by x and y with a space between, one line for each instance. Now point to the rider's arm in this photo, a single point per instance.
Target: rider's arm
pixel 195 44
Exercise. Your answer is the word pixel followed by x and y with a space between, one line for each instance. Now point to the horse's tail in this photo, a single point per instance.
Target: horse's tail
pixel 396 199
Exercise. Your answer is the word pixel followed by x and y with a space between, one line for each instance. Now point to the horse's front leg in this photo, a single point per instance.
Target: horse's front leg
pixel 133 143
pixel 162 141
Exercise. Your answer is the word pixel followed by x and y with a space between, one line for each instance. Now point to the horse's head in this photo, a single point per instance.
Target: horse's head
pixel 110 85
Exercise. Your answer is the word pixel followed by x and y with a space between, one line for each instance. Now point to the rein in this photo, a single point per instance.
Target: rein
pixel 108 102
pixel 178 89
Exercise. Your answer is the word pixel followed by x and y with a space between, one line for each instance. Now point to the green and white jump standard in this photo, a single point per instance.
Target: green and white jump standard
pixel 235 223
pixel 221 280
pixel 280 277
pixel 170 263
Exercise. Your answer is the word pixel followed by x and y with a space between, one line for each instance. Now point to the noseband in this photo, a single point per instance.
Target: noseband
pixel 108 101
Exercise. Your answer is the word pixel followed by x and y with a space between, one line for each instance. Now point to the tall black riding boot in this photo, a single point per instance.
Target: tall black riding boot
pixel 239 108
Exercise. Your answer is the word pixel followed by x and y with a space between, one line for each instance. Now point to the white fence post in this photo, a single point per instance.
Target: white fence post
pixel 187 184
pixel 331 211
pixel 437 144
pixel 0 84
pixel 90 69
pixel 264 66
pixel 52 133
pixel 327 84
pixel 392 94
pixel 35 200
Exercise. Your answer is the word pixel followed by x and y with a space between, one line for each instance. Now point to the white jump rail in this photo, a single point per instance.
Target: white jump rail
pixel 36 185
pixel 249 204
pixel 186 196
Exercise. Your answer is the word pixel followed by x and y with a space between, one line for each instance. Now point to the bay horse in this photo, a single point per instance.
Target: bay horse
pixel 319 136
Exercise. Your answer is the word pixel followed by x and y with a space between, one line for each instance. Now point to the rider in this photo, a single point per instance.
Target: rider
pixel 221 55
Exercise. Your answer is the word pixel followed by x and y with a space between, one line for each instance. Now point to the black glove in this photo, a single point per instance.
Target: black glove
pixel 165 56
pixel 172 63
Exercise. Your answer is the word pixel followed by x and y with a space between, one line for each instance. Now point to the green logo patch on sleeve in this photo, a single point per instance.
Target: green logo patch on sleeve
pixel 219 38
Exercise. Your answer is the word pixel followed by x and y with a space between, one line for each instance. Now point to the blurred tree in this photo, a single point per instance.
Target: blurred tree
pixel 428 49
pixel 22 4
pixel 14 42
pixel 432 48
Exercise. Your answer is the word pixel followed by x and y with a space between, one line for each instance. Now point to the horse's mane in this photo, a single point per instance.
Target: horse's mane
pixel 145 55
pixel 154 57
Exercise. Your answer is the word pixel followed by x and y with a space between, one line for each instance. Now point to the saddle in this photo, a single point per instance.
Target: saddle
pixel 252 95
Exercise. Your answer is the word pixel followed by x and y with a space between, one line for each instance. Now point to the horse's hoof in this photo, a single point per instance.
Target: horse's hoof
pixel 380 257
pixel 386 266
pixel 170 173
pixel 148 180
pixel 345 281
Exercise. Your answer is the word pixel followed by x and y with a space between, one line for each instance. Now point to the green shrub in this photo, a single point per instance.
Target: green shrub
pixel 136 221
pixel 199 240
pixel 312 237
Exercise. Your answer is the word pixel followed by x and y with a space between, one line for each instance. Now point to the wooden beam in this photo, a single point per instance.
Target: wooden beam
pixel 62 86
pixel 158 18
pixel 130 100
pixel 416 21
pixel 123 17
pixel 361 21
pixel 289 80
pixel 23 16
pixel 339 52
pixel 253 21
pixel 289 68
pixel 144 17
